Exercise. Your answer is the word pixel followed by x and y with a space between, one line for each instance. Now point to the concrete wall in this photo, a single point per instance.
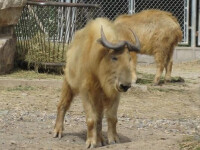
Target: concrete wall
pixel 181 54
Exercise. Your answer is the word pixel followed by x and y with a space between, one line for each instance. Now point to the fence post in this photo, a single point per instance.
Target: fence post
pixel 198 28
pixel 193 23
pixel 131 8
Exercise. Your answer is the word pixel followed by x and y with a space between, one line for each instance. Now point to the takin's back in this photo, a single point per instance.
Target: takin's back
pixel 85 53
pixel 155 28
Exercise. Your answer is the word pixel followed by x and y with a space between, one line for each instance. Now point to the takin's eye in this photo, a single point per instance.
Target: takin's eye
pixel 114 58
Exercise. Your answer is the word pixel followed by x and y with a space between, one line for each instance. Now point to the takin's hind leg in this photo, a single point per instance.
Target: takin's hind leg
pixel 111 114
pixel 134 78
pixel 94 115
pixel 160 63
pixel 168 67
pixel 63 106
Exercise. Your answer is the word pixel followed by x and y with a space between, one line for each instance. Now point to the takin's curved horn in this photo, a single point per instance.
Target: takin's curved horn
pixel 121 44
pixel 109 45
pixel 132 47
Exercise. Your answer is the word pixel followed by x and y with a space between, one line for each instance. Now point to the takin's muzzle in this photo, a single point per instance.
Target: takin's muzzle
pixel 124 87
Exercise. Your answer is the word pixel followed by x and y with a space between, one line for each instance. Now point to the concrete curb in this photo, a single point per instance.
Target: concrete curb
pixel 12 82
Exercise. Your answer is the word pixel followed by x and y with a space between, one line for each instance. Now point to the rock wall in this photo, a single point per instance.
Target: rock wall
pixel 10 11
pixel 7 53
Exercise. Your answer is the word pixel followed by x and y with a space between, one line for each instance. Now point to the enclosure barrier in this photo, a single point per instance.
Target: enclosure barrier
pixel 111 9
pixel 45 30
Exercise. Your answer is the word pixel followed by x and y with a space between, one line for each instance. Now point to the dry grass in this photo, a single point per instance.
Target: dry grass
pixel 146 78
pixel 20 88
pixel 24 74
pixel 41 49
pixel 190 143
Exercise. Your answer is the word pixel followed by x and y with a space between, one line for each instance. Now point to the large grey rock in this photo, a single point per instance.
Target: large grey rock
pixel 10 11
pixel 9 16
pixel 11 3
pixel 7 52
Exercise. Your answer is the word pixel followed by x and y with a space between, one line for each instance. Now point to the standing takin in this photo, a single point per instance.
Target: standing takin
pixel 99 67
pixel 159 32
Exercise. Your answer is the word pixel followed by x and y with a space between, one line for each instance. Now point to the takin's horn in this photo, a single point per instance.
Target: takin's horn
pixel 135 47
pixel 109 45
pixel 121 44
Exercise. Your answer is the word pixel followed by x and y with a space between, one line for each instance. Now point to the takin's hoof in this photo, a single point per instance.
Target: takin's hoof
pixel 157 83
pixel 58 132
pixel 113 140
pixel 91 143
pixel 167 81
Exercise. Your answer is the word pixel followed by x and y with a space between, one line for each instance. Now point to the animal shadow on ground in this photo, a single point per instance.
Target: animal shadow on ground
pixel 148 80
pixel 173 80
pixel 83 135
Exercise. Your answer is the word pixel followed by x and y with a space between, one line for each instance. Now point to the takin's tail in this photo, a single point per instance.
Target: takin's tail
pixel 178 31
pixel 179 34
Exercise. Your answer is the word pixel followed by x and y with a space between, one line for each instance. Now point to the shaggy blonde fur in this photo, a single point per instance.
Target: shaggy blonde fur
pixel 95 73
pixel 158 31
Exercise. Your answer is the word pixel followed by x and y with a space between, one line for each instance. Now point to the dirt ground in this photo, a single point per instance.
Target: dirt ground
pixel 165 117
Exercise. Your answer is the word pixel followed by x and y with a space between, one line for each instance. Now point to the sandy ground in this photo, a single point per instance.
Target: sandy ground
pixel 165 117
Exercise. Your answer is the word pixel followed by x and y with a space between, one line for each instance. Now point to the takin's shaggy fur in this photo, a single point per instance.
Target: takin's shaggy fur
pixel 159 32
pixel 98 74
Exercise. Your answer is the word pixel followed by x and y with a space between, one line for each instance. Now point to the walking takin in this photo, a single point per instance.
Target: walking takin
pixel 158 31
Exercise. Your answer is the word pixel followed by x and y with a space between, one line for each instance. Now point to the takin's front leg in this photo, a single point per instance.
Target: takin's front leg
pixel 111 114
pixel 63 106
pixel 94 115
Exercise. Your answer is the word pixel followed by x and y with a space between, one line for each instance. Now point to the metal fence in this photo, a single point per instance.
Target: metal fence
pixel 179 8
pixel 111 9
pixel 44 31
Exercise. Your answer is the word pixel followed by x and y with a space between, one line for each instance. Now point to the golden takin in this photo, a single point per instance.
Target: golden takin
pixel 158 31
pixel 99 66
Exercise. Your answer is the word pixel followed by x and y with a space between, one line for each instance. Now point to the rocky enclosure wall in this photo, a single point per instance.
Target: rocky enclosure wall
pixel 10 11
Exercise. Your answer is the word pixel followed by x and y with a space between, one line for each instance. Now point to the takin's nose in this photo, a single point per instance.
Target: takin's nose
pixel 124 87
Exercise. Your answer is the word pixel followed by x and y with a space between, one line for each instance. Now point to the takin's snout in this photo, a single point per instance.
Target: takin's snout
pixel 123 87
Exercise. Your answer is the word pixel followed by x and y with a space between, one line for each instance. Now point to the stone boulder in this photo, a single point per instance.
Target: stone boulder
pixel 7 53
pixel 10 12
